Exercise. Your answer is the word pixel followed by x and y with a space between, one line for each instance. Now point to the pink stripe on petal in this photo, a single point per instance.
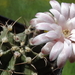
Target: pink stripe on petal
pixel 47 48
pixel 36 21
pixel 55 5
pixel 40 39
pixel 45 26
pixel 45 17
pixel 56 50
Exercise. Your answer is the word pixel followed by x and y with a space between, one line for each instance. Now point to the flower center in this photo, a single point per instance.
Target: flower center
pixel 66 33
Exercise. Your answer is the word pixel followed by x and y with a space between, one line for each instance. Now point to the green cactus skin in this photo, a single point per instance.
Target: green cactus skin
pixel 18 57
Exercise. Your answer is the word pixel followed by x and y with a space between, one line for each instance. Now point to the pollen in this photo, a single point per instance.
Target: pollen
pixel 66 33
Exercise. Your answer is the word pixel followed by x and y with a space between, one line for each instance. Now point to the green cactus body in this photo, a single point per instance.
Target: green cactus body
pixel 18 57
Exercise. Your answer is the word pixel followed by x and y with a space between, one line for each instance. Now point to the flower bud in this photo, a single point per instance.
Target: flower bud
pixel 27 31
pixel 17 38
pixel 17 54
pixel 28 60
pixel 22 43
pixel 41 55
pixel 9 27
pixel 30 41
pixel 14 48
pixel 21 50
pixel 27 49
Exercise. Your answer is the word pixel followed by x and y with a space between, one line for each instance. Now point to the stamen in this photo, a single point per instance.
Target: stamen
pixel 66 33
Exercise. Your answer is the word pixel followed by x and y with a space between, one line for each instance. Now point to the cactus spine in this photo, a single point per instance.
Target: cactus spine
pixel 18 56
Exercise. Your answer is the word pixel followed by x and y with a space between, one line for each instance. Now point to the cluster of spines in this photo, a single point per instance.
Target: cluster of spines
pixel 18 56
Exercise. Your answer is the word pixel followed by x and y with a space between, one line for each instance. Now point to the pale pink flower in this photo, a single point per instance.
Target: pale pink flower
pixel 60 36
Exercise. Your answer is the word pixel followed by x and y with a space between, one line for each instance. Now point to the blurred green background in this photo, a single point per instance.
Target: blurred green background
pixel 26 9
pixel 13 9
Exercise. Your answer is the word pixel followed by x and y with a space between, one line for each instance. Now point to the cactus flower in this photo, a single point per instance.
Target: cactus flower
pixel 60 36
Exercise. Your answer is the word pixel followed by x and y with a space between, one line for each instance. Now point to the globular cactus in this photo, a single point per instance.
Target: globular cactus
pixel 19 57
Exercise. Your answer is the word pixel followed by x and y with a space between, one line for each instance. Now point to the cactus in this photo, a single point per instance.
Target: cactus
pixel 19 57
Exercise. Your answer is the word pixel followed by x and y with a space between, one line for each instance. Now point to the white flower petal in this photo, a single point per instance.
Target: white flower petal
pixel 72 37
pixel 54 34
pixel 40 39
pixel 56 50
pixel 72 10
pixel 36 21
pixel 61 60
pixel 69 25
pixel 73 31
pixel 65 54
pixel 47 48
pixel 72 21
pixel 62 21
pixel 55 13
pixel 45 26
pixel 44 17
pixel 68 47
pixel 48 13
pixel 55 5
pixel 65 10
